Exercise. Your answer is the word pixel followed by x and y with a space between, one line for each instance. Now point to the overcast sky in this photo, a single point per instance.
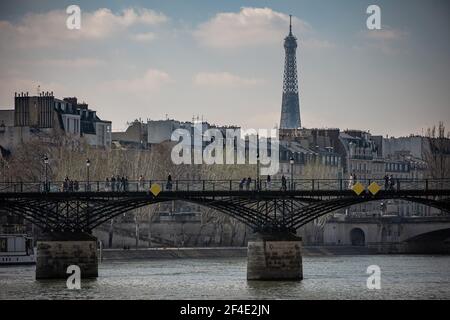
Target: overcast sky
pixel 223 60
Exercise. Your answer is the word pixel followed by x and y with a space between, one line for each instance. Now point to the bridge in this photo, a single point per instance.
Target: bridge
pixel 67 212
pixel 391 233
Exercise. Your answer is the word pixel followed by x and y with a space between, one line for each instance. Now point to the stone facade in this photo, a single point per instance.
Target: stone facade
pixel 57 252
pixel 271 257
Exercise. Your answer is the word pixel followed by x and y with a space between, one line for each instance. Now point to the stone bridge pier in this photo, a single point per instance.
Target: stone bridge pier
pixel 57 251
pixel 274 256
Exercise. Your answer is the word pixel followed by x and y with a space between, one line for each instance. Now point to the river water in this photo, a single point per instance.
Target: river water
pixel 325 277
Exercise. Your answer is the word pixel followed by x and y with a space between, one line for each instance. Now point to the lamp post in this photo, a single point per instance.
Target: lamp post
pixel 291 161
pixel 88 164
pixel 257 163
pixel 46 170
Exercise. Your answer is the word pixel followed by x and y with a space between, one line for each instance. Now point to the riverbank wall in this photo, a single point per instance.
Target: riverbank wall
pixel 220 252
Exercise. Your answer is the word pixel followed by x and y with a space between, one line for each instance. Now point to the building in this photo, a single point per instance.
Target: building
pixel 135 136
pixel 308 163
pixel 44 117
pixel 417 146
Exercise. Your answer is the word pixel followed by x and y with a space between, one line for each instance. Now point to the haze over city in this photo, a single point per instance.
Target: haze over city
pixel 223 60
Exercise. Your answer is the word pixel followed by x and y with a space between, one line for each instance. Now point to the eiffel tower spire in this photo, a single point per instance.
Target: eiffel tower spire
pixel 290 105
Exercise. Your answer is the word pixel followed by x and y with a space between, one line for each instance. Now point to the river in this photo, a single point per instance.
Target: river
pixel 325 277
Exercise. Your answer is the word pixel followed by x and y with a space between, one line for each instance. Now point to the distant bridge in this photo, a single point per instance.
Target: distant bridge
pixel 391 234
pixel 274 206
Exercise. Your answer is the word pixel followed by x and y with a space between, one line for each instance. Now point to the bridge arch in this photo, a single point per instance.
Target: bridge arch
pixel 313 211
pixel 32 211
pixel 429 234
pixel 357 237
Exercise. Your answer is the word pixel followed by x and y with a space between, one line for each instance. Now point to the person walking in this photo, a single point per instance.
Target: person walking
pixel 107 185
pixel 283 183
pixel 241 184
pixel 269 183
pixel 141 183
pixel 113 184
pixel 122 182
pixel 386 182
pixel 249 181
pixel 350 181
pixel 391 182
pixel 169 182
pixel 118 183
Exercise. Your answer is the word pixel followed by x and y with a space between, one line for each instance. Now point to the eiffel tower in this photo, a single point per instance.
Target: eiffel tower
pixel 290 106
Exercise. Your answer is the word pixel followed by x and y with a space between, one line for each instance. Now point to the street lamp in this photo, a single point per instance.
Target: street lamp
pixel 257 163
pixel 88 164
pixel 46 166
pixel 291 161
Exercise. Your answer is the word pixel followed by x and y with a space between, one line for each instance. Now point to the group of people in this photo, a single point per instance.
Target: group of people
pixel 116 183
pixel 70 185
pixel 389 182
pixel 247 183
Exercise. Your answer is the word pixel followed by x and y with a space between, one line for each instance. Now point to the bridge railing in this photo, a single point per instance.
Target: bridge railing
pixel 223 185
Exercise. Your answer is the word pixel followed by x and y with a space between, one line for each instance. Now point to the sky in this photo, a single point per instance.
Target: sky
pixel 223 60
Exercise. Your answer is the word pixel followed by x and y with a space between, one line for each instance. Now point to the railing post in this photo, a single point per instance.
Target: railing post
pixel 231 185
pixel 203 185
pixel 340 184
pixel 312 184
pixel 21 186
pixel 98 186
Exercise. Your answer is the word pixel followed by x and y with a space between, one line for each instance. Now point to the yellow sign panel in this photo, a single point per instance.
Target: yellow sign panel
pixel 155 189
pixel 358 188
pixel 374 188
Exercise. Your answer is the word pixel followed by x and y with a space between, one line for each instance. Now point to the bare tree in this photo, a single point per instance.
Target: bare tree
pixel 437 155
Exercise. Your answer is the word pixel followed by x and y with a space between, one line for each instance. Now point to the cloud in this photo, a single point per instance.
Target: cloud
pixel 386 40
pixel 152 80
pixel 144 37
pixel 385 34
pixel 69 63
pixel 49 28
pixel 248 27
pixel 224 79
